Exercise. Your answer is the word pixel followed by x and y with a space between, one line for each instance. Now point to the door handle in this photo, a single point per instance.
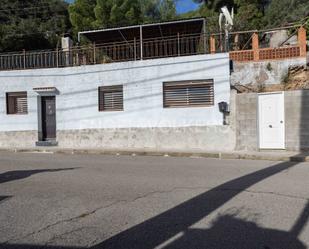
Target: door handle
pixel 270 126
pixel 281 122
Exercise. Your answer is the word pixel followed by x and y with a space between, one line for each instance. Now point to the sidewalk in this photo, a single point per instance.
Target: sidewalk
pixel 251 155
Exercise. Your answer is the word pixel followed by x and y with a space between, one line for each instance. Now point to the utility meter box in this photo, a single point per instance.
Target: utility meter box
pixel 224 107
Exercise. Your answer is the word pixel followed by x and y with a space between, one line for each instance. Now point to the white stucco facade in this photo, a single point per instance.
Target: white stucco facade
pixel 77 100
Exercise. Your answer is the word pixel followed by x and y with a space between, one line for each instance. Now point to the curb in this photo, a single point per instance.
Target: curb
pixel 218 155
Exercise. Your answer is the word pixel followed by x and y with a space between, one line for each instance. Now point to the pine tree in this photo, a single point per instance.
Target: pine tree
pixel 32 24
pixel 281 12
pixel 110 13
pixel 82 15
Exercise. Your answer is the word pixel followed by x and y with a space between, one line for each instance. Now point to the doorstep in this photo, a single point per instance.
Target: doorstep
pixel 48 143
pixel 250 155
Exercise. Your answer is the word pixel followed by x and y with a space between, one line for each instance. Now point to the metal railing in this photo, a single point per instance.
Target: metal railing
pixel 106 53
pixel 245 47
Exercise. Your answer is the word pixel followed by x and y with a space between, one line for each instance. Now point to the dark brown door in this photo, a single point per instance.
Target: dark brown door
pixel 49 118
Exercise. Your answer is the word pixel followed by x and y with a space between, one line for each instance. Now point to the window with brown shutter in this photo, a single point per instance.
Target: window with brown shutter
pixel 16 103
pixel 111 98
pixel 188 93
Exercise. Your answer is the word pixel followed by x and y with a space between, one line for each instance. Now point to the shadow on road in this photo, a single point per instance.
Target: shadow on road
pixel 229 232
pixel 161 228
pixel 173 227
pixel 21 174
pixel 2 198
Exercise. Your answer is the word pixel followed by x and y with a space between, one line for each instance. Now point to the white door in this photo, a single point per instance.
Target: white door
pixel 271 121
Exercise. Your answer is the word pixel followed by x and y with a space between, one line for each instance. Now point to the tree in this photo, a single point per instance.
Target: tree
pixel 212 17
pixel 215 5
pixel 167 10
pixel 249 14
pixel 90 14
pixel 111 13
pixel 158 10
pixel 32 24
pixel 281 12
pixel 82 15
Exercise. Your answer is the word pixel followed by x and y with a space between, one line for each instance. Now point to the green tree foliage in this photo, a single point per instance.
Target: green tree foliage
pixel 110 13
pixel 89 14
pixel 215 5
pixel 32 24
pixel 167 10
pixel 249 14
pixel 39 24
pixel 210 9
pixel 253 14
pixel 82 15
pixel 281 12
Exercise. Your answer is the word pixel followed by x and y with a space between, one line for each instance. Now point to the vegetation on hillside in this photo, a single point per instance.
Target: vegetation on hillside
pixel 253 14
pixel 90 14
pixel 39 24
pixel 32 24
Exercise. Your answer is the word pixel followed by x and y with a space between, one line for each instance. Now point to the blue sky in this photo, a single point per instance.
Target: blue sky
pixel 185 6
pixel 182 5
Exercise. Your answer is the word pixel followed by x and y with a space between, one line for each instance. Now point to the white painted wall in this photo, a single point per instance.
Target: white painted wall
pixel 77 103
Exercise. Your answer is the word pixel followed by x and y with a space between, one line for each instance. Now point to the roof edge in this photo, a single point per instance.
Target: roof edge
pixel 203 19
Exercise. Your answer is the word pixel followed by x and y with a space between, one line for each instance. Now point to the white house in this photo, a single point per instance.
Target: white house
pixel 162 94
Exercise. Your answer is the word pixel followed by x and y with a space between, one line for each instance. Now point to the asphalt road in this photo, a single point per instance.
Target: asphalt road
pixel 89 201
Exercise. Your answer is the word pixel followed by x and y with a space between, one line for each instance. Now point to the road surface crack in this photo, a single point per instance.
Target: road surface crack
pixel 117 202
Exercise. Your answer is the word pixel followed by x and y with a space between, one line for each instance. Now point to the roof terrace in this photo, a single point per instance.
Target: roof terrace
pixel 148 41
pixel 161 40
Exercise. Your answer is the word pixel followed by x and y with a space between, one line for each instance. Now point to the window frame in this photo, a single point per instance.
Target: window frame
pixel 186 84
pixel 109 89
pixel 9 95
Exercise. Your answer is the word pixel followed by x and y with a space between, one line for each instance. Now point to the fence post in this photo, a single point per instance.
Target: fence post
pixel 302 41
pixel 178 44
pixel 57 57
pixel 141 41
pixel 24 55
pixel 212 44
pixel 94 54
pixel 134 48
pixel 255 46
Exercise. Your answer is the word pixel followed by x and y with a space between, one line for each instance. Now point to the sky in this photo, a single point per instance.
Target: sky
pixel 185 6
pixel 182 5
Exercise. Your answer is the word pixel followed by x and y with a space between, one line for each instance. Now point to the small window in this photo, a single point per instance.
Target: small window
pixel 188 93
pixel 111 98
pixel 16 103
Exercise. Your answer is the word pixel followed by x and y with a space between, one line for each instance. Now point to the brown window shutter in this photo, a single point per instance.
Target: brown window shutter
pixel 111 98
pixel 17 103
pixel 188 93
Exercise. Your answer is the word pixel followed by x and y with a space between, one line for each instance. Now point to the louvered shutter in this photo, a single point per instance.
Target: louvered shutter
pixel 111 98
pixel 17 103
pixel 188 93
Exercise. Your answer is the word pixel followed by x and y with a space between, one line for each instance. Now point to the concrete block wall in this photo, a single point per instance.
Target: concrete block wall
pixel 296 104
pixel 246 122
pixel 297 120
pixel 208 138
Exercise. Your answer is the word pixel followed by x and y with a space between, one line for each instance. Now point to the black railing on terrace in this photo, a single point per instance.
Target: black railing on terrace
pixel 106 53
